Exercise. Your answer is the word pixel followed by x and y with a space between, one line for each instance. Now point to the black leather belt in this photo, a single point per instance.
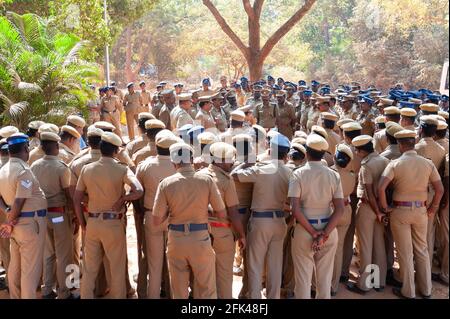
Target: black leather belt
pixel 277 214
pixel 106 216
pixel 191 227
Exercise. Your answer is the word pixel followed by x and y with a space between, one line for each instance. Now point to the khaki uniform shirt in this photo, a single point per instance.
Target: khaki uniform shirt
pixel 266 115
pixel 220 118
pixel 270 185
pixel 244 191
pixel 333 139
pixel 392 152
pixel 380 141
pixel 444 143
pixel 145 152
pixel 428 148
pixel 17 181
pixel 350 114
pixel 156 109
pixel 367 122
pixel 145 97
pixel 36 154
pixel 184 197
pixel 286 119
pixel 348 180
pixel 110 104
pixel 132 102
pixel 254 103
pixel 65 154
pixel 77 165
pixel 316 185
pixel 164 115
pixel 103 181
pixel 372 167
pixel 136 145
pixel 3 160
pixel 224 183
pixel 205 119
pixel 150 173
pixel 53 176
pixel 206 93
pixel 313 118
pixel 183 118
pixel 411 174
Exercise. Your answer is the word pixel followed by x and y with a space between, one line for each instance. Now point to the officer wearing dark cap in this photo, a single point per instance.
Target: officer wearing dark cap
pixel 25 206
pixel 132 103
pixel 206 91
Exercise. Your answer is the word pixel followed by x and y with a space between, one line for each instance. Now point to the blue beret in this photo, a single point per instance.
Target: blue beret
pixel 270 78
pixel 237 85
pixel 433 96
pixel 130 84
pixel 280 140
pixel 314 83
pixel 325 90
pixel 17 139
pixel 366 99
pixel 307 92
pixel 444 98
pixel 407 104
pixel 280 79
pixel 302 82
pixel 276 87
pixel 244 79
pixel 206 81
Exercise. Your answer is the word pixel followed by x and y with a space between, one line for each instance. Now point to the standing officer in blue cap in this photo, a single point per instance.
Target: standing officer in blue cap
pixel 366 118
pixel 25 206
pixel 206 88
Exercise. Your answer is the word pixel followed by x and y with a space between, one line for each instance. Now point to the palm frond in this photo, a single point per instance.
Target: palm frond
pixel 72 56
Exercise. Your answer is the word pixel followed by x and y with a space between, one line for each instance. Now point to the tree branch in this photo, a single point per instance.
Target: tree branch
pixel 257 7
pixel 285 28
pixel 248 8
pixel 226 28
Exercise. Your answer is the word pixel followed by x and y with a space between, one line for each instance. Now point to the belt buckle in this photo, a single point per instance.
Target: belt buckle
pixel 186 229
pixel 418 204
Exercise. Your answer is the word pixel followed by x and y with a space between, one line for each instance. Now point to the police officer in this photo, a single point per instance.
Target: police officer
pixel 366 117
pixel 37 152
pixel 32 133
pixel 25 206
pixel 411 174
pixel 111 108
pixel 4 242
pixel 132 103
pixel 266 113
pixel 152 128
pixel 203 116
pixel 205 140
pixel 103 181
pixel 370 220
pixel 267 226
pixel 392 151
pixel 180 115
pixel 217 112
pixel 392 114
pixel 408 118
pixel 56 187
pixel 206 91
pixel 328 121
pixel 69 138
pixel 312 189
pixel 78 123
pixel 145 98
pixel 142 140
pixel 169 105
pixel 189 245
pixel 286 115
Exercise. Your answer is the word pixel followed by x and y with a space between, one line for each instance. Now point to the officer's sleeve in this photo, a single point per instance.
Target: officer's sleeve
pixel 130 179
pixel 215 199
pixel 366 177
pixel 66 177
pixel 25 185
pixel 338 192
pixel 81 186
pixel 247 175
pixel 160 207
pixel 389 171
pixel 230 195
pixel 295 187
pixel 434 177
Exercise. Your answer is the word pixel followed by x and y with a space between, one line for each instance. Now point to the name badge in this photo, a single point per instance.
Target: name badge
pixel 58 220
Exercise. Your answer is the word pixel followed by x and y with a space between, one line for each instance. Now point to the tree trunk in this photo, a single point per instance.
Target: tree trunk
pixel 128 70
pixel 255 67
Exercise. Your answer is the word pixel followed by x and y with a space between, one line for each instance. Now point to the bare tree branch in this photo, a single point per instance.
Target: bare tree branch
pixel 257 7
pixel 226 28
pixel 248 8
pixel 285 28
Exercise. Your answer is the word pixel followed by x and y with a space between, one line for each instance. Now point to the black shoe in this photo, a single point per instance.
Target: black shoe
pixel 73 297
pixel 380 289
pixel 425 296
pixel 397 291
pixel 391 281
pixel 3 285
pixel 51 295
pixel 343 279
pixel 313 294
pixel 354 288
pixel 437 278
pixel 333 293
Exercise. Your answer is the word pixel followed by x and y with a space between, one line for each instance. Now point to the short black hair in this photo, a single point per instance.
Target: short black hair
pixel 391 139
pixel 48 146
pixel 329 124
pixel 441 133
pixel 151 133
pixel 31 132
pixel 314 155
pixel 202 103
pixel 367 147
pixel 94 141
pixel 429 113
pixel 428 130
pixel 4 152
pixel 162 151
pixel 411 119
pixel 16 148
pixel 235 123
pixel 108 149
pixel 409 142
pixel 393 117
pixel 381 125
pixel 352 134
pixel 298 156
pixel 141 123
pixel 282 152
pixel 65 136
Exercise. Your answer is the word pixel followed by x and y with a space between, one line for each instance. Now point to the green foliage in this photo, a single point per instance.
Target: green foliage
pixel 42 75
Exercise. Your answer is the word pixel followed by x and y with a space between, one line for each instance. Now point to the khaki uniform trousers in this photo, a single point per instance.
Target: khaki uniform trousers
pixel 155 246
pixel 114 119
pixel 5 255
pixel 349 238
pixel 188 251
pixel 306 261
pixel 444 239
pixel 372 249
pixel 243 294
pixel 224 247
pixel 409 228
pixel 58 250
pixel 288 280
pixel 27 253
pixel 265 247
pixel 105 238
pixel 132 119
pixel 142 256
pixel 341 228
pixel 431 228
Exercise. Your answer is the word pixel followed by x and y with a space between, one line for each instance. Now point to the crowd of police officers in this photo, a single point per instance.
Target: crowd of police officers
pixel 281 183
